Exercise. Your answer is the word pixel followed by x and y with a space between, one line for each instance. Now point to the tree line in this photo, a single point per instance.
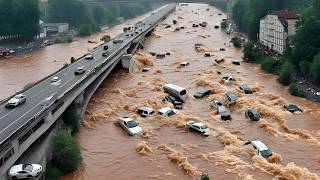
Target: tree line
pixel 87 17
pixel 302 55
pixel 19 17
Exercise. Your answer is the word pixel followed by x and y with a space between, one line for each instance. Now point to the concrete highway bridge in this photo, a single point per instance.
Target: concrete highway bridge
pixel 30 123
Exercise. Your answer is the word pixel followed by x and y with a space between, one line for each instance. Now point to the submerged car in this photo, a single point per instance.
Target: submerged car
pixel 261 148
pixel 292 108
pixel 199 127
pixel 252 114
pixel 175 102
pixel 246 88
pixel 230 97
pixel 185 63
pixel 129 125
pixel 167 111
pixel 24 171
pixel 228 79
pixel 16 100
pixel 222 110
pixel 202 94
pixel 145 111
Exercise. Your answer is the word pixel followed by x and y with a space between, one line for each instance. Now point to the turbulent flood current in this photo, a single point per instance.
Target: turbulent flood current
pixel 166 149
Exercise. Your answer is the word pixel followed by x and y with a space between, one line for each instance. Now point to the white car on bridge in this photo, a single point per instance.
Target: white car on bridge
pixel 16 100
pixel 24 171
pixel 129 125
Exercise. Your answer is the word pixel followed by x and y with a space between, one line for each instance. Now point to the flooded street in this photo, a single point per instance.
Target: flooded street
pixel 166 149
pixel 17 72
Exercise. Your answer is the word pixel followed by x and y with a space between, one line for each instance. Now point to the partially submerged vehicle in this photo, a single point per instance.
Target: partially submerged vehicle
pixel 129 125
pixel 230 97
pixel 145 111
pixel 221 109
pixel 167 111
pixel 202 94
pixel 199 127
pixel 262 149
pixel 246 88
pixel 184 63
pixel 174 101
pixel 252 114
pixel 292 108
pixel 176 91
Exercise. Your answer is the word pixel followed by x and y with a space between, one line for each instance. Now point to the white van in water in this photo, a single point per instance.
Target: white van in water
pixel 175 91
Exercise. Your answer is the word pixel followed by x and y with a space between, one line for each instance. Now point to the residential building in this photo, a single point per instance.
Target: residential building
pixel 275 28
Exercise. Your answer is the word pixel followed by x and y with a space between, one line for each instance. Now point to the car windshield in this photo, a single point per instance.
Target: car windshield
pixel 27 167
pixel 258 116
pixel 132 124
pixel 266 153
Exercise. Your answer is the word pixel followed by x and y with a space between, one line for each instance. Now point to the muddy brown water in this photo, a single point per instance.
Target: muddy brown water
pixel 169 151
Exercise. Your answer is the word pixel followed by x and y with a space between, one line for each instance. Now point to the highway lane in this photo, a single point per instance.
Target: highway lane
pixel 13 119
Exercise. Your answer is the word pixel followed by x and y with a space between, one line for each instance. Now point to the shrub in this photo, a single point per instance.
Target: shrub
pixel 252 54
pixel 52 172
pixel 85 30
pixel 71 119
pixel 63 40
pixel 315 69
pixel 295 90
pixel 66 154
pixel 106 38
pixel 270 65
pixel 205 177
pixel 285 74
pixel 223 25
pixel 236 41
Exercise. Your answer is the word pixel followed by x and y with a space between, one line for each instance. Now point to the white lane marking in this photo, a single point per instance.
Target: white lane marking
pixel 7 114
pixel 19 118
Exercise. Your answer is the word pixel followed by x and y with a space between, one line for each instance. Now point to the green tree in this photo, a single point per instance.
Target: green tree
pixel 19 17
pixel 295 90
pixel 315 68
pixel 66 154
pixel 285 77
pixel 68 11
pixel 98 14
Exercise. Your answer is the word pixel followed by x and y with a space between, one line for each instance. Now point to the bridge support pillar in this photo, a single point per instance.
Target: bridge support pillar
pixel 127 62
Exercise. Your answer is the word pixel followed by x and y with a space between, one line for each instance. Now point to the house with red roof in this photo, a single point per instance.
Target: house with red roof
pixel 275 28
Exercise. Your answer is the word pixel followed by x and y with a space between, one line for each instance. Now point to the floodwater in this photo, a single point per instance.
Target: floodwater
pixel 167 150
pixel 19 71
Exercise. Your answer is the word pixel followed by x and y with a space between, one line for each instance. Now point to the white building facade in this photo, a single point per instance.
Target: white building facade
pixel 275 28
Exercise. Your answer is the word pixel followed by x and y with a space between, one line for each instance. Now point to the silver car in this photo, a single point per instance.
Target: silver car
pixel 199 127
pixel 129 125
pixel 24 171
pixel 16 100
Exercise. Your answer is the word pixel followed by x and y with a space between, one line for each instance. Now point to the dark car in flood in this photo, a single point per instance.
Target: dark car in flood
pixel 202 94
pixel 252 114
pixel 176 102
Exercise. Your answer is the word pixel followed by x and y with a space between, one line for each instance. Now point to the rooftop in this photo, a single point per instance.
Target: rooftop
pixel 285 14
